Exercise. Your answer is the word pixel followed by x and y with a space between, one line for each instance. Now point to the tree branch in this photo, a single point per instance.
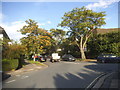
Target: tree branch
pixel 77 43
pixel 86 38
pixel 81 42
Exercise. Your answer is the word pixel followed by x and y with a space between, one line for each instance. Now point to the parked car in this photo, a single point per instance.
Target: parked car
pixel 55 57
pixel 41 59
pixel 104 58
pixel 48 58
pixel 68 57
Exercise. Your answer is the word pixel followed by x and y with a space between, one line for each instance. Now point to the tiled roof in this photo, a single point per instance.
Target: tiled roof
pixel 103 31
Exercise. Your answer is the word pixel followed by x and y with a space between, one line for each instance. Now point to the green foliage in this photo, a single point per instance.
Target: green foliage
pixel 9 64
pixel 12 51
pixel 58 36
pixel 105 43
pixel 69 47
pixel 11 54
pixel 81 20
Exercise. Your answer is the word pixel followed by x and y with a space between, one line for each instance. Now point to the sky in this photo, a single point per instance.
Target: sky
pixel 48 14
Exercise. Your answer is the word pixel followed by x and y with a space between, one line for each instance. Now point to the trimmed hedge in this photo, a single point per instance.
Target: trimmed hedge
pixel 8 65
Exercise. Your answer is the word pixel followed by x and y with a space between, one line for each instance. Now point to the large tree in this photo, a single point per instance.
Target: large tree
pixel 36 39
pixel 81 22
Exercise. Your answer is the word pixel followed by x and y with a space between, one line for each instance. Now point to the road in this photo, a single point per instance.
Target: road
pixel 61 75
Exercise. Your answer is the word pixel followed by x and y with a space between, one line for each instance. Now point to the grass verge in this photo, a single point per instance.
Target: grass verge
pixel 36 62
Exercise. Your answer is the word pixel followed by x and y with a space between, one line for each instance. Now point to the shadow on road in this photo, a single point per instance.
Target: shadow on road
pixel 84 78
pixel 103 67
pixel 74 80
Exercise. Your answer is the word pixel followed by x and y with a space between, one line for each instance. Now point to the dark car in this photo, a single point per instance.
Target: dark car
pixel 68 57
pixel 104 58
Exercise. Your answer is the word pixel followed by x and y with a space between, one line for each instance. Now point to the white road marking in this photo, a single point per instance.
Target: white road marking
pixel 23 77
pixel 10 81
pixel 18 75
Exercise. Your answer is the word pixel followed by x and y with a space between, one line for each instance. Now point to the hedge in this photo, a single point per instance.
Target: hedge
pixel 8 65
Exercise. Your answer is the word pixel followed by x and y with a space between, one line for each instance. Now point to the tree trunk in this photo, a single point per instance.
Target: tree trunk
pixel 82 53
pixel 82 48
pixel 20 62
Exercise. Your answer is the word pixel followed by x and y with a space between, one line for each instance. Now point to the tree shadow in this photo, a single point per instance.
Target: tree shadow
pixel 106 67
pixel 70 80
pixel 82 79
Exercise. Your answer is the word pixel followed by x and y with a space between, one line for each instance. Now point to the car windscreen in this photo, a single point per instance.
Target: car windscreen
pixel 68 56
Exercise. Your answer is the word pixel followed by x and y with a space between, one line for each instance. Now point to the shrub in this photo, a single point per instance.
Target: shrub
pixel 9 64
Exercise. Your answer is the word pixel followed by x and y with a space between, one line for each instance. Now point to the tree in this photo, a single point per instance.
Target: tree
pixel 81 22
pixel 36 38
pixel 58 35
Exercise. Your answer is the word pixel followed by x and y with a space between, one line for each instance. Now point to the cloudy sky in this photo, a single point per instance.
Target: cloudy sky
pixel 48 14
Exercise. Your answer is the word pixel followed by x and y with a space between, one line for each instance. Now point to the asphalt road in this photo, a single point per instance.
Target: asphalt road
pixel 61 75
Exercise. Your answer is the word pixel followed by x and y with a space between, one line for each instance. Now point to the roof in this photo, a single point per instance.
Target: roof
pixel 103 31
pixel 2 31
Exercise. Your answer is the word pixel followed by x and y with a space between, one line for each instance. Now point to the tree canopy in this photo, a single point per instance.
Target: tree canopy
pixel 58 36
pixel 36 39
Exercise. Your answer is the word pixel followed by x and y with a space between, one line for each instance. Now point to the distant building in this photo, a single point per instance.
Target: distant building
pixel 3 34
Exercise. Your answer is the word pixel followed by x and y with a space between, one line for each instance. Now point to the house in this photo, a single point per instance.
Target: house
pixel 3 34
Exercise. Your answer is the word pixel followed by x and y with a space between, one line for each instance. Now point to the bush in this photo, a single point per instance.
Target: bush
pixel 9 64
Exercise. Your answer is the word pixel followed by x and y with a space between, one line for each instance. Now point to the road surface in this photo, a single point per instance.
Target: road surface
pixel 61 75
